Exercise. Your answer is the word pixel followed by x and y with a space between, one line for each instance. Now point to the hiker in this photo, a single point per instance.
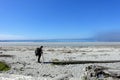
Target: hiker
pixel 39 53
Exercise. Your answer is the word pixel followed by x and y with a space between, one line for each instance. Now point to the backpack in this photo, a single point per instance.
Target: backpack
pixel 37 51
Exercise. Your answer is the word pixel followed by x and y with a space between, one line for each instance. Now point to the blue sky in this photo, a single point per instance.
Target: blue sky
pixel 51 19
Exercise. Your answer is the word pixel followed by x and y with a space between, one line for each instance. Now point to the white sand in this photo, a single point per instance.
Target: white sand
pixel 24 63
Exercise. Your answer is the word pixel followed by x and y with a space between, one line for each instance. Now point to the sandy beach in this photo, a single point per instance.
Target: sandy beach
pixel 24 65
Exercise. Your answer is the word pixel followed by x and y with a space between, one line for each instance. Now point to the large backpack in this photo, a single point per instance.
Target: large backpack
pixel 37 51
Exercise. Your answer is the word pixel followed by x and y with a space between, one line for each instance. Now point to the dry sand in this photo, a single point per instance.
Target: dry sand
pixel 24 64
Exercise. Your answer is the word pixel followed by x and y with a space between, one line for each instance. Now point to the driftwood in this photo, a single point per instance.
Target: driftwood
pixel 94 72
pixel 5 55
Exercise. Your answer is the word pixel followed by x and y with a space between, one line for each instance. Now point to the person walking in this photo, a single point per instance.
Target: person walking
pixel 39 53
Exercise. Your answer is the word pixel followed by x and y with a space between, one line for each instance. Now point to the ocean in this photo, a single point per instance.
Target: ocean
pixel 51 40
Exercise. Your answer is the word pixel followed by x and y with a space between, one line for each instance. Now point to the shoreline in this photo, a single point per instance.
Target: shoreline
pixel 77 44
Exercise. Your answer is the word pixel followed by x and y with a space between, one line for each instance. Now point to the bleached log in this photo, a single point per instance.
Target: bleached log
pixel 113 73
pixel 101 72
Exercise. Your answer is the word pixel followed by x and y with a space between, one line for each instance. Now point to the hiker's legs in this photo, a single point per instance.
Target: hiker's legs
pixel 39 56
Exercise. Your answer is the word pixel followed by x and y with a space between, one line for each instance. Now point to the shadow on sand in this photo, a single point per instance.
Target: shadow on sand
pixel 79 62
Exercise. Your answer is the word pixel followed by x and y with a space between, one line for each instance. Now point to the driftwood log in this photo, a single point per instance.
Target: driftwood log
pixel 5 55
pixel 94 72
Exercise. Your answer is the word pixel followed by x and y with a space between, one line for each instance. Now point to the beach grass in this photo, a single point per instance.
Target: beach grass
pixel 4 66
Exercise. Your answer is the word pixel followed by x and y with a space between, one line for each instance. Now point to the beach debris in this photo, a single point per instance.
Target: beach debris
pixel 95 72
pixel 47 75
pixel 5 55
pixel 63 77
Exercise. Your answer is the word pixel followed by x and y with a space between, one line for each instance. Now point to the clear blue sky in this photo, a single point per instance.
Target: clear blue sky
pixel 51 19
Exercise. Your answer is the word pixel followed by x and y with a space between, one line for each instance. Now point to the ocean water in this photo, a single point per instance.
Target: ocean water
pixel 51 40
pixel 58 42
